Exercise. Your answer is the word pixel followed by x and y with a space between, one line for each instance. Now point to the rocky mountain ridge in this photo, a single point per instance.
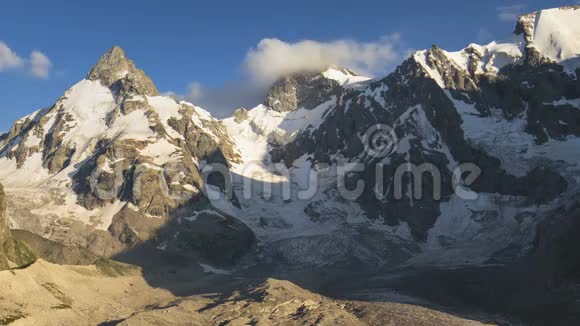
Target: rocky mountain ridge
pixel 494 106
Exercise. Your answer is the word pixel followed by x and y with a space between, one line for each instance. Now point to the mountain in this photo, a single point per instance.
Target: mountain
pixel 115 168
pixel 510 108
pixel 112 162
pixel 113 165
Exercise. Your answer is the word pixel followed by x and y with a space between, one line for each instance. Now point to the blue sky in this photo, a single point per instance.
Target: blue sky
pixel 205 44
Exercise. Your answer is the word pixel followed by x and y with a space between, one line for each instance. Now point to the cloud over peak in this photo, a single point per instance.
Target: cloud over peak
pixel 272 58
pixel 38 64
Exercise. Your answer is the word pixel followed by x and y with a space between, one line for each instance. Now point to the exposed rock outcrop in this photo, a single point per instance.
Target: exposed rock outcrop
pixel 300 90
pixel 240 115
pixel 277 302
pixel 117 72
pixel 13 253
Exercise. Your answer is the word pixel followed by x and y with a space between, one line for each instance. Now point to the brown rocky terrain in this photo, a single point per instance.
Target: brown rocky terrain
pixel 49 294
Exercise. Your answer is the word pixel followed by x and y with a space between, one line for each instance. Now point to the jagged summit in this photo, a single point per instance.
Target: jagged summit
pixel 117 72
pixel 547 36
pixel 304 89
pixel 308 89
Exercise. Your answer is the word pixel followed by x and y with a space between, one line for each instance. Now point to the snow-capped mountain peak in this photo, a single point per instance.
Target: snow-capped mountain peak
pixel 112 149
pixel 552 34
pixel 546 36
pixel 309 89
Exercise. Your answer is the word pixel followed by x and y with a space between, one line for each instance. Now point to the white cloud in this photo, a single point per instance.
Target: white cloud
pixel 510 13
pixel 39 65
pixel 8 58
pixel 273 58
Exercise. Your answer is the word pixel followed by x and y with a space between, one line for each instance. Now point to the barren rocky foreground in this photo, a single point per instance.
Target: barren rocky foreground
pixel 49 294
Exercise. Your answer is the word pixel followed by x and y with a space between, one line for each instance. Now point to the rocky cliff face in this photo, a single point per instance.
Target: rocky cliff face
pixel 308 89
pixel 301 90
pixel 6 242
pixel 13 253
pixel 115 71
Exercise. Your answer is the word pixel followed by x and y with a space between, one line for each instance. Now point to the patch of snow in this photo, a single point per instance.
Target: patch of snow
pixel 345 78
pixel 30 174
pixel 556 35
pixel 190 188
pixel 377 94
pixel 107 214
pixel 263 124
pixel 507 141
pixel 421 58
pixel 162 246
pixel 210 269
pixel 49 204
pixel 471 231
pixel 151 167
pixel 497 136
pixel 204 115
pixel 32 140
pixel 195 215
pixel 494 56
pixel 563 102
pixel 162 152
pixel 134 125
pixel 88 102
pixel 166 108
